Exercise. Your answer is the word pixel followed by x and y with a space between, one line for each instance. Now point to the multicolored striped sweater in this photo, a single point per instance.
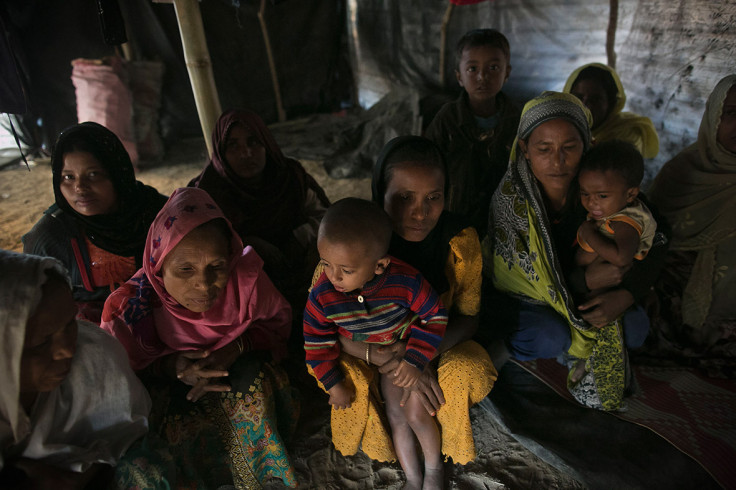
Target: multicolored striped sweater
pixel 396 305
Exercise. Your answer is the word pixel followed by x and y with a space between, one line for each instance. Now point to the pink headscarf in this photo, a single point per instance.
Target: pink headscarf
pixel 150 323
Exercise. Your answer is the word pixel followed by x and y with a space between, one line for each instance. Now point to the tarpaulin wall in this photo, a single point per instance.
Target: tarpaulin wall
pixel 670 54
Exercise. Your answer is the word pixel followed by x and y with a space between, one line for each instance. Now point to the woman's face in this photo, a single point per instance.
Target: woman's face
pixel 554 150
pixel 86 185
pixel 414 200
pixel 726 135
pixel 594 97
pixel 196 271
pixel 51 339
pixel 244 153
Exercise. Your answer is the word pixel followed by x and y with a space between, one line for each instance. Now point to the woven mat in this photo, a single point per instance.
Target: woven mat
pixel 694 413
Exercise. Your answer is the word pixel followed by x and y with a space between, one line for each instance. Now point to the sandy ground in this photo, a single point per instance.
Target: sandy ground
pixel 502 462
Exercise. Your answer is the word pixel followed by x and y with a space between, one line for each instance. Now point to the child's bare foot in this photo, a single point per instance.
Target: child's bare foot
pixel 413 484
pixel 433 478
pixel 578 372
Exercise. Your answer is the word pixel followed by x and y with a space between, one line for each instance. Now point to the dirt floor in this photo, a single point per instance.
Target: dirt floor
pixel 502 462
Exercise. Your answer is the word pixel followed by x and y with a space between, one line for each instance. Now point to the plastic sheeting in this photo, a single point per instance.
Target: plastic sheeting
pixel 307 37
pixel 670 54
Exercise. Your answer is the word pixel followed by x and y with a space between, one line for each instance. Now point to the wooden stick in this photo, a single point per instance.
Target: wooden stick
pixel 199 66
pixel 271 64
pixel 611 34
pixel 443 41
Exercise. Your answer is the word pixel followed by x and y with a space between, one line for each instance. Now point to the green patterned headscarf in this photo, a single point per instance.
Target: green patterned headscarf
pixel 521 258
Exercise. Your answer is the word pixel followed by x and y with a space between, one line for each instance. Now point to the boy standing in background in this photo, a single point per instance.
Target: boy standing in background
pixel 475 132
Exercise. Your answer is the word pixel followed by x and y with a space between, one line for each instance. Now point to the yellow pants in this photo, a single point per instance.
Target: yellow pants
pixel 466 376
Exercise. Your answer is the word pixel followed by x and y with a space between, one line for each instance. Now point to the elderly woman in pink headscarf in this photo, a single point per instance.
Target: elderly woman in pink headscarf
pixel 203 324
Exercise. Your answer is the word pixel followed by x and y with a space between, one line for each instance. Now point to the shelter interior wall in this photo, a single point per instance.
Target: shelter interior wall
pixel 669 54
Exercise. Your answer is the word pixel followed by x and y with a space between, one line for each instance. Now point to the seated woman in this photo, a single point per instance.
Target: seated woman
pixel 696 192
pixel 204 321
pixel 100 220
pixel 529 252
pixel 409 181
pixel 274 205
pixel 600 89
pixel 70 406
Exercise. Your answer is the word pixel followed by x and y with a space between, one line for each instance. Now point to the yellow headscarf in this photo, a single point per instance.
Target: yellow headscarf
pixel 627 126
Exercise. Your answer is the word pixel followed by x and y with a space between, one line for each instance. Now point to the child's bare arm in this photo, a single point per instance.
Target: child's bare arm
pixel 406 375
pixel 620 250
pixel 342 395
pixel 584 258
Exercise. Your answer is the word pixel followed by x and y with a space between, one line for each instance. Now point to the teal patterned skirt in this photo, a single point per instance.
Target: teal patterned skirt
pixel 236 438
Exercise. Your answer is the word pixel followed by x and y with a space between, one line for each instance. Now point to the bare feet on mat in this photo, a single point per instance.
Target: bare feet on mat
pixel 413 484
pixel 433 478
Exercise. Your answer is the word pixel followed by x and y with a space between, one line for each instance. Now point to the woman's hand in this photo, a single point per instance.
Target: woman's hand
pixel 198 368
pixel 606 307
pixel 602 275
pixel 428 390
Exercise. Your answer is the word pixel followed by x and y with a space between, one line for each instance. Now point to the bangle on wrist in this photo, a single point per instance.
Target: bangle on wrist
pixel 368 353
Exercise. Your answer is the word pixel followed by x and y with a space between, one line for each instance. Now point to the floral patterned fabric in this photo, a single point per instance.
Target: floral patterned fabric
pixel 235 438
pixel 521 258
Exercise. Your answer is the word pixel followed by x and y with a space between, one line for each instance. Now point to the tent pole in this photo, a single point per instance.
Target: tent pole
pixel 611 34
pixel 443 42
pixel 199 66
pixel 271 63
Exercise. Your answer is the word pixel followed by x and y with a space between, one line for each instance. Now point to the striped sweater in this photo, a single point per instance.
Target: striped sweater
pixel 396 305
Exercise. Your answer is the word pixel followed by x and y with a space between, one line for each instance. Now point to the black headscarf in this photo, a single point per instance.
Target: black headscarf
pixel 429 256
pixel 124 231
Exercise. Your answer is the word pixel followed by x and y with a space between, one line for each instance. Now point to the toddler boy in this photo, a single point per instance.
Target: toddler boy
pixel 365 295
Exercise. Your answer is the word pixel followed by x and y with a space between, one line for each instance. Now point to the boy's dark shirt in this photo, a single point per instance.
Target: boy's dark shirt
pixel 477 159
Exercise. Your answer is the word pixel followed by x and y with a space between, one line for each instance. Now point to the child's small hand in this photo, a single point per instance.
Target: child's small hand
pixel 406 375
pixel 342 395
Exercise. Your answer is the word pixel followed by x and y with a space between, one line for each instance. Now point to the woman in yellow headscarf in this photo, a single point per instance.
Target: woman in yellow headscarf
pixel 600 89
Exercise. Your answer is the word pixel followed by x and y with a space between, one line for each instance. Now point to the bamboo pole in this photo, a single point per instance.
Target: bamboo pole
pixel 443 42
pixel 611 34
pixel 199 66
pixel 271 63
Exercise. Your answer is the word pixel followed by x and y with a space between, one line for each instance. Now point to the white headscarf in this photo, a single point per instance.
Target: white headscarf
pixel 21 278
pixel 96 413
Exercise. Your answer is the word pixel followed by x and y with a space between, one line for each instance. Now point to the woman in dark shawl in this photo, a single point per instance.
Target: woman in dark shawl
pixel 98 225
pixel 409 181
pixel 271 201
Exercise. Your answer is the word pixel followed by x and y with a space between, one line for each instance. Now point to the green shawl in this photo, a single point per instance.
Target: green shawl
pixel 521 258
pixel 696 192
